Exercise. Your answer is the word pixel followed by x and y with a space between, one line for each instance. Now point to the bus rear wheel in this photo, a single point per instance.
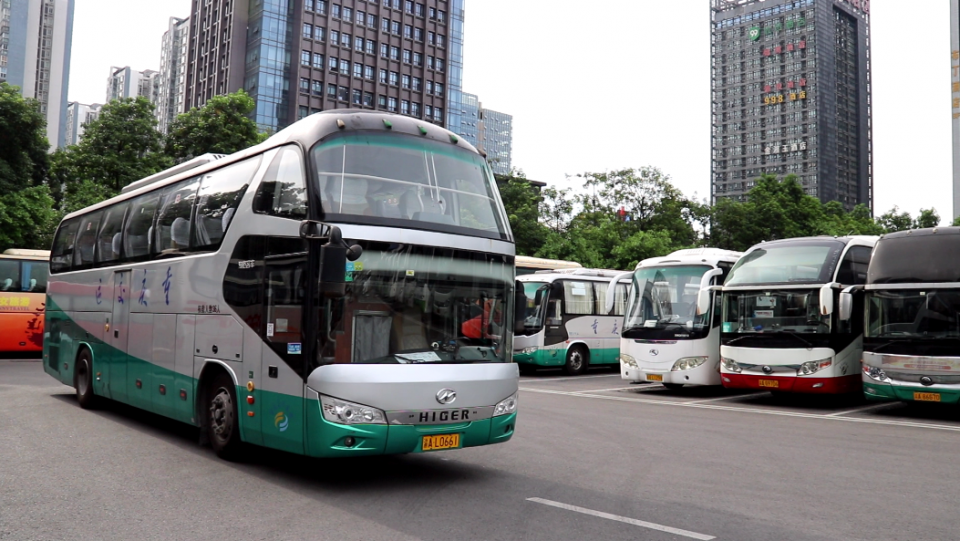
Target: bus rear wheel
pixel 223 427
pixel 83 380
pixel 578 359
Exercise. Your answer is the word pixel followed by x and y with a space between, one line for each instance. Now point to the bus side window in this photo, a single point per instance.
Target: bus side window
pixel 620 300
pixel 283 190
pixel 61 256
pixel 86 240
pixel 578 297
pixel 139 226
pixel 172 229
pixel 109 239
pixel 217 201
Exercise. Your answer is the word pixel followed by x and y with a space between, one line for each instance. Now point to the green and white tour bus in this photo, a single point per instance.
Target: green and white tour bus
pixel 664 338
pixel 912 325
pixel 566 323
pixel 311 294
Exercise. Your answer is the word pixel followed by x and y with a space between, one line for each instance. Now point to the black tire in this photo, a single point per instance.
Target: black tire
pixel 83 380
pixel 527 369
pixel 578 360
pixel 673 386
pixel 223 420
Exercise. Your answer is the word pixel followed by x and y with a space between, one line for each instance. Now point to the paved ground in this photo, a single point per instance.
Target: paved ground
pixel 593 458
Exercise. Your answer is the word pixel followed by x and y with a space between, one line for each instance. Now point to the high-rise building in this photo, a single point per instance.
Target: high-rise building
pixel 172 77
pixel 129 83
pixel 35 43
pixel 297 57
pixel 791 95
pixel 79 116
pixel 955 98
pixel 489 131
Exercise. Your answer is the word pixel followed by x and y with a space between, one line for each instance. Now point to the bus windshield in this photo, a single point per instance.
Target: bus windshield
pixel 370 178
pixel 800 262
pixel 420 305
pixel 789 310
pixel 913 314
pixel 663 304
pixel 23 275
pixel 536 294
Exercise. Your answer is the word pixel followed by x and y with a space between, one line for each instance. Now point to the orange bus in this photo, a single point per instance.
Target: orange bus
pixel 23 292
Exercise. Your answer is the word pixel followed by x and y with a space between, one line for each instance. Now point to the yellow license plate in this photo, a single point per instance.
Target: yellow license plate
pixel 927 397
pixel 771 383
pixel 654 377
pixel 441 441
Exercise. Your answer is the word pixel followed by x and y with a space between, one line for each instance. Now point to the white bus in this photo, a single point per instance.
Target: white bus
pixel 222 293
pixel 566 324
pixel 663 337
pixel 780 330
pixel 530 265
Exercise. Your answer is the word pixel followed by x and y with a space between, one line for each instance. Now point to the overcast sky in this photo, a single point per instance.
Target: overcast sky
pixel 620 83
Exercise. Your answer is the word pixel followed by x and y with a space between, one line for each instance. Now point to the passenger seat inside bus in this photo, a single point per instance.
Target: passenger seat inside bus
pixel 409 332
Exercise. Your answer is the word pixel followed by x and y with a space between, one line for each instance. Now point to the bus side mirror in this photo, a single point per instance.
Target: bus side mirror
pixel 333 264
pixel 519 307
pixel 703 296
pixel 611 297
pixel 826 299
pixel 846 304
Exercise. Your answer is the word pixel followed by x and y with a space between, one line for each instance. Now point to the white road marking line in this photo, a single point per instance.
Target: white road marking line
pixel 778 413
pixel 720 398
pixel 627 520
pixel 548 380
pixel 864 408
pixel 606 390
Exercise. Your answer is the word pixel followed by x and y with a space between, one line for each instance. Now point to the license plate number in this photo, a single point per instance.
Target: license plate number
pixel 441 441
pixel 927 397
pixel 770 383
pixel 654 377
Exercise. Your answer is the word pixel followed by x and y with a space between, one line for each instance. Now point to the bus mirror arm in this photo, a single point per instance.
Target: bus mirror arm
pixel 703 296
pixel 334 255
pixel 611 297
pixel 846 302
pixel 519 308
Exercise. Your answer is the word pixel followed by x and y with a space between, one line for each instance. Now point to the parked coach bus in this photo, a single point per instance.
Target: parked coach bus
pixel 567 325
pixel 664 337
pixel 23 287
pixel 223 293
pixel 779 328
pixel 912 317
pixel 530 265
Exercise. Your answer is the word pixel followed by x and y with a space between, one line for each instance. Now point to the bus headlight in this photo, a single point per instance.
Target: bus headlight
pixel 688 363
pixel 628 360
pixel 529 350
pixel 349 413
pixel 730 365
pixel 875 373
pixel 506 406
pixel 812 367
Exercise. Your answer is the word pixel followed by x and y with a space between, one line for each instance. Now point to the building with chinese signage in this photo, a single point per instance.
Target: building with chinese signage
pixel 955 98
pixel 791 96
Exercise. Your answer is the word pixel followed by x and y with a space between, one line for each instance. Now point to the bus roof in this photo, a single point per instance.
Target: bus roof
pixel 540 263
pixel 20 253
pixel 603 275
pixel 693 256
pixel 852 240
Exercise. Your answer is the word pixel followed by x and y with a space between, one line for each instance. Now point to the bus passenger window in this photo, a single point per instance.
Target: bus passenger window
pixel 108 242
pixel 220 194
pixel 9 275
pixel 173 219
pixel 136 236
pixel 87 240
pixel 283 191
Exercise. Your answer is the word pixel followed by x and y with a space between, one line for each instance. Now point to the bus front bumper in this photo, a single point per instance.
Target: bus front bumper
pixel 943 394
pixel 705 374
pixel 791 384
pixel 328 440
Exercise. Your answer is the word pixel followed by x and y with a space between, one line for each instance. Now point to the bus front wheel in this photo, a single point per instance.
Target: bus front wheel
pixel 83 380
pixel 223 427
pixel 578 359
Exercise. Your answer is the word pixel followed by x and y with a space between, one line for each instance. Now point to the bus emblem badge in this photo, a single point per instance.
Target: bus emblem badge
pixel 446 396
pixel 654 352
pixel 767 369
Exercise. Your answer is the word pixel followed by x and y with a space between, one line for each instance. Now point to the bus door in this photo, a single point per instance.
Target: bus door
pixel 554 331
pixel 282 410
pixel 118 329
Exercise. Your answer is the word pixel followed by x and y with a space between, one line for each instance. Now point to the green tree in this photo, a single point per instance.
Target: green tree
pixel 556 208
pixel 27 218
pixel 927 218
pixel 522 200
pixel 955 222
pixel 894 220
pixel 23 141
pixel 221 126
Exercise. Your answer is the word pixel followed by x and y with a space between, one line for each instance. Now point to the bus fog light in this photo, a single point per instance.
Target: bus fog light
pixel 875 373
pixel 349 413
pixel 688 363
pixel 628 360
pixel 730 365
pixel 812 367
pixel 506 406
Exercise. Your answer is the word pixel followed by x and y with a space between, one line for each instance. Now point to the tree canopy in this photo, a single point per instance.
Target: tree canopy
pixel 221 126
pixel 23 141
